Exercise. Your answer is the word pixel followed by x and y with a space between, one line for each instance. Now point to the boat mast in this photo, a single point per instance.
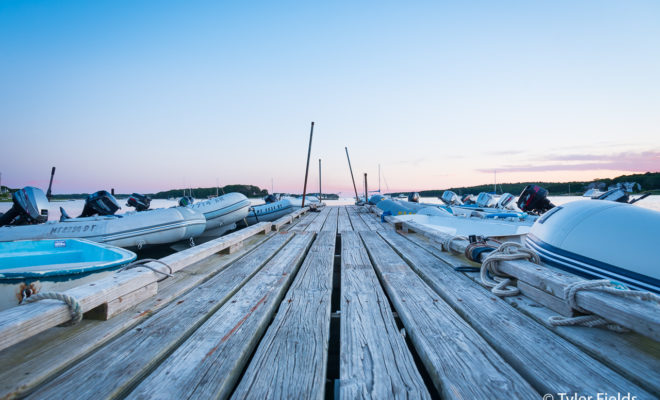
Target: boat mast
pixel 378 178
pixel 320 193
pixel 495 184
pixel 309 151
pixel 352 178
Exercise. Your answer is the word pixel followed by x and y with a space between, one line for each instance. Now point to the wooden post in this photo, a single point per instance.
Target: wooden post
pixel 309 151
pixel 50 185
pixel 352 178
pixel 366 192
pixel 320 193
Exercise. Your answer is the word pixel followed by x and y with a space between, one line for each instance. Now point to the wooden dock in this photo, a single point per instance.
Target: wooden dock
pixel 328 304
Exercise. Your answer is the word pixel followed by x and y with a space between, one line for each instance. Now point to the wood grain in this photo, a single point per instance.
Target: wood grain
pixel 126 360
pixel 210 361
pixel 291 359
pixel 374 359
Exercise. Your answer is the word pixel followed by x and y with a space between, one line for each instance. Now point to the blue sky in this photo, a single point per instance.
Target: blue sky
pixel 152 95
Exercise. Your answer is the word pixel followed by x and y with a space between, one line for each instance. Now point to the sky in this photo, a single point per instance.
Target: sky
pixel 143 96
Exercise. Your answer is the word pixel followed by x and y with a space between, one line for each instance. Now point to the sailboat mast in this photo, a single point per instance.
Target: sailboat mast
pixel 379 178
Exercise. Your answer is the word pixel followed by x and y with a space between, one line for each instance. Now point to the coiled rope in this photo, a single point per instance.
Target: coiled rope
pixel 143 262
pixel 500 284
pixel 74 305
pixel 592 320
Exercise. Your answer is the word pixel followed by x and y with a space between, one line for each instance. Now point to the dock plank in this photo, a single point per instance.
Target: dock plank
pixel 366 217
pixel 330 224
pixel 318 222
pixel 31 362
pixel 343 222
pixel 304 222
pixel 458 359
pixel 560 368
pixel 629 312
pixel 19 323
pixel 126 360
pixel 297 340
pixel 356 221
pixel 374 359
pixel 209 363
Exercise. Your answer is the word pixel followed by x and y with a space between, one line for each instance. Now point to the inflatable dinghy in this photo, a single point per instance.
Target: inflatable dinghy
pixel 601 240
pixel 222 212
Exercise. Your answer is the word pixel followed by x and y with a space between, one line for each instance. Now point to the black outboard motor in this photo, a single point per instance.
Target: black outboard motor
pixel 186 201
pixel 100 203
pixel 534 199
pixel 413 197
pixel 617 195
pixel 139 201
pixel 271 198
pixel 30 207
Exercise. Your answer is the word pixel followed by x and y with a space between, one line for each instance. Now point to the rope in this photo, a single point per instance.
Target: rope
pixel 447 244
pixel 74 306
pixel 592 320
pixel 143 262
pixel 499 284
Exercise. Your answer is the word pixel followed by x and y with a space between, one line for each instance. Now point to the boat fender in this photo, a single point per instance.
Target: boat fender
pixel 385 214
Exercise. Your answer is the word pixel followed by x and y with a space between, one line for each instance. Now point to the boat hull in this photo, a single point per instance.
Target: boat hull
pixel 132 230
pixel 222 212
pixel 269 212
pixel 601 240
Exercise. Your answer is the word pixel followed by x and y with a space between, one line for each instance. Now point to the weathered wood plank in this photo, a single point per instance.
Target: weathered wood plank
pixel 288 219
pixel 374 359
pixel 330 224
pixel 343 222
pixel 297 340
pixel 640 316
pixel 356 221
pixel 209 363
pixel 632 355
pixel 135 353
pixel 318 222
pixel 549 363
pixel 19 323
pixel 368 219
pixel 304 222
pixel 31 362
pixel 458 359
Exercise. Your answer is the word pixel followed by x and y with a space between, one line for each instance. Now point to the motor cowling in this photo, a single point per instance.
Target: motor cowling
pixel 100 203
pixel 617 195
pixel 413 197
pixel 450 198
pixel 30 206
pixel 271 198
pixel 505 200
pixel 485 199
pixel 534 199
pixel 186 201
pixel 139 201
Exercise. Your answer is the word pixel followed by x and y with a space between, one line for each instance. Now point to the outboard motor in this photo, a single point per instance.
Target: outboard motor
pixel 186 201
pixel 505 200
pixel 617 195
pixel 139 201
pixel 450 198
pixel 534 199
pixel 30 207
pixel 485 199
pixel 100 203
pixel 413 197
pixel 468 199
pixel 271 198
